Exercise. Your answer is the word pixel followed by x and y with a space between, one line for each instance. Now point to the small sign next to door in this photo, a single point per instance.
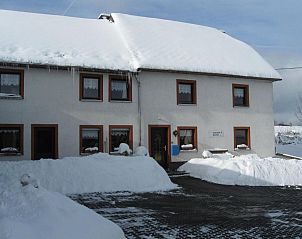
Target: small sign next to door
pixel 216 133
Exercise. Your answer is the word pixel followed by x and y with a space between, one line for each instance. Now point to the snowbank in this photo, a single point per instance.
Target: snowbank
pixel 33 213
pixel 246 170
pixel 95 173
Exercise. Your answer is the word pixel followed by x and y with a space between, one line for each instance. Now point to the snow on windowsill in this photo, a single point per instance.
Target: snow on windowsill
pixel 10 96
pixel 91 100
pixel 241 106
pixel 120 101
pixel 187 104
pixel 188 150
pixel 2 154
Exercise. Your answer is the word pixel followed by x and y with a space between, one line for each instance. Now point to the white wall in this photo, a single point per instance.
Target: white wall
pixel 52 97
pixel 214 111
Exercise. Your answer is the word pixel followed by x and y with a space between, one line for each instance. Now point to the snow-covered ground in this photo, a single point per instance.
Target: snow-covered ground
pixel 289 140
pixel 246 170
pixel 95 173
pixel 35 213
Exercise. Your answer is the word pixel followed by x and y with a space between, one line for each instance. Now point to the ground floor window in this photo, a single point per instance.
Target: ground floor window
pixel 91 139
pixel 120 134
pixel 187 137
pixel 11 139
pixel 242 137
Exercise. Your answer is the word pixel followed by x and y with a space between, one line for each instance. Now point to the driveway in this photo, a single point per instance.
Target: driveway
pixel 203 210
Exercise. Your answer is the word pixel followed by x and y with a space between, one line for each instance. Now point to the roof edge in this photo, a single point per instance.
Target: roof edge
pixel 210 74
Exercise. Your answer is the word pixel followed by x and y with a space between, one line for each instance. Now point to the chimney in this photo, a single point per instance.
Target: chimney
pixel 106 16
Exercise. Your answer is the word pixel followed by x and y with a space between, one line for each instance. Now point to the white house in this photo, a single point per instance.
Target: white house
pixel 72 86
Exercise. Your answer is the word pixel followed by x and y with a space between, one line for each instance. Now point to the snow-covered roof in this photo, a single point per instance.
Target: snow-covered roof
pixel 129 43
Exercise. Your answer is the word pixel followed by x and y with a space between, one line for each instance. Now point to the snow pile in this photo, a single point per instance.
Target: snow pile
pixel 141 151
pixel 94 173
pixel 288 135
pixel 124 149
pixel 29 212
pixel 246 170
pixel 129 43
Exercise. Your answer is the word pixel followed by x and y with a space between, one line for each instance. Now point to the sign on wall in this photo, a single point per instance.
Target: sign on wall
pixel 216 133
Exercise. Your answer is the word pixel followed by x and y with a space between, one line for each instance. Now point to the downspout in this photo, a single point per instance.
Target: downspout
pixel 139 105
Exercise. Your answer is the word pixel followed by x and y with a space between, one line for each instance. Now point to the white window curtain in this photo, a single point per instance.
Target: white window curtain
pixel 90 83
pixel 239 93
pixel 90 134
pixel 187 136
pixel 120 132
pixel 120 86
pixel 10 79
pixel 185 89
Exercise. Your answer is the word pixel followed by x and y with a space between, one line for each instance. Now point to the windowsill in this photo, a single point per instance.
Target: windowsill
pixel 121 101
pixel 91 100
pixel 188 150
pixel 87 154
pixel 10 154
pixel 193 104
pixel 11 97
pixel 241 106
pixel 247 149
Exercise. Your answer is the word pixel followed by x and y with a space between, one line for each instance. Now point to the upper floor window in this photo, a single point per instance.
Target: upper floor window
pixel 242 137
pixel 91 139
pixel 120 134
pixel 11 139
pixel 11 83
pixel 186 92
pixel 91 86
pixel 120 88
pixel 187 138
pixel 240 95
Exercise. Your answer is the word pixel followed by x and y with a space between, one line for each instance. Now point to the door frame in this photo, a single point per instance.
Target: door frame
pixel 33 126
pixel 168 127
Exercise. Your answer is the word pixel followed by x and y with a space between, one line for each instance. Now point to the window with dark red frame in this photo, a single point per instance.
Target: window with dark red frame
pixel 242 137
pixel 91 139
pixel 120 134
pixel 120 88
pixel 11 139
pixel 11 83
pixel 186 92
pixel 91 87
pixel 187 137
pixel 240 95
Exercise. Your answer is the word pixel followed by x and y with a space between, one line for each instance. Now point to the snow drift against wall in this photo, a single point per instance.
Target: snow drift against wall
pixel 95 173
pixel 128 43
pixel 246 170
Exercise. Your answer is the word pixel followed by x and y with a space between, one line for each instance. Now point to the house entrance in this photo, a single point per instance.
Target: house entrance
pixel 159 143
pixel 44 141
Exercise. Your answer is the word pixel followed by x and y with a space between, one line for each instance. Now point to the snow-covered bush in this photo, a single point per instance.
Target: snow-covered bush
pixel 207 154
pixel 124 149
pixel 141 151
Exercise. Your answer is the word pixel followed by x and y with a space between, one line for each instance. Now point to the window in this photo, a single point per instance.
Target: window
pixel 120 88
pixel 11 139
pixel 120 134
pixel 91 139
pixel 242 138
pixel 186 92
pixel 240 95
pixel 11 83
pixel 91 87
pixel 187 138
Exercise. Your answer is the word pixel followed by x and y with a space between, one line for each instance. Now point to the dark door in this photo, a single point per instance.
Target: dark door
pixel 44 142
pixel 159 144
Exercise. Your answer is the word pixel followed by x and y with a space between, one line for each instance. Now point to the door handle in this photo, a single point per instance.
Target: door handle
pixel 165 147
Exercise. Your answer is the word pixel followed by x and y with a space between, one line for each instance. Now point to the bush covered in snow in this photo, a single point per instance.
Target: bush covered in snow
pixel 141 151
pixel 288 135
pixel 124 149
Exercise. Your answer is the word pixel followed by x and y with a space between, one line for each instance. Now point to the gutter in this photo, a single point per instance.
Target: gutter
pixel 135 75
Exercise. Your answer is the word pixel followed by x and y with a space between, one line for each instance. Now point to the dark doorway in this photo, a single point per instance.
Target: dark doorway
pixel 159 143
pixel 44 141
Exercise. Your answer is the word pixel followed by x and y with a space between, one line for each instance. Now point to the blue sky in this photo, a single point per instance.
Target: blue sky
pixel 273 27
